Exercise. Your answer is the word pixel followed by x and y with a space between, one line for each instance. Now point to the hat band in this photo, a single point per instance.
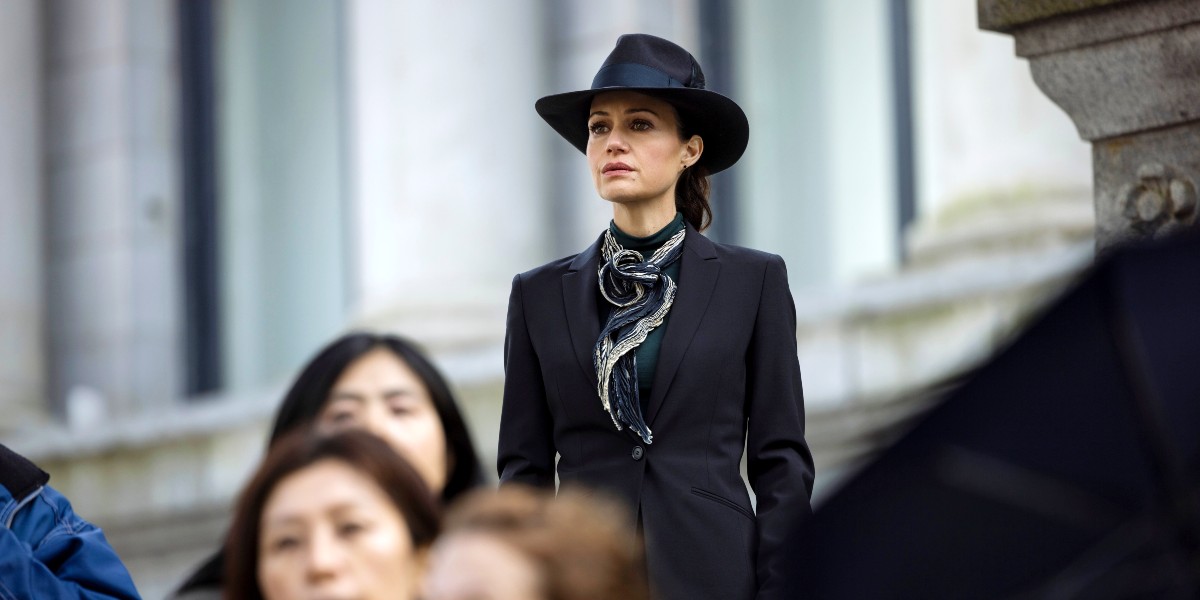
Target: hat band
pixel 633 75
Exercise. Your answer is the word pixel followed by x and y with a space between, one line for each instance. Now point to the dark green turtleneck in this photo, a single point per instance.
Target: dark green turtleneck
pixel 646 355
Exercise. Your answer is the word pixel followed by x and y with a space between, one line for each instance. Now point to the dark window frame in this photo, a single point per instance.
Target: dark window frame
pixel 902 106
pixel 198 143
pixel 717 56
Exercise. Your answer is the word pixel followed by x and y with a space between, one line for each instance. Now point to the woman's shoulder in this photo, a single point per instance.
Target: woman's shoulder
pixel 550 269
pixel 745 256
pixel 548 274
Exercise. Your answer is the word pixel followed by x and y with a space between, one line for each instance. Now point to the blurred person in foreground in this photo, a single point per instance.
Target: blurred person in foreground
pixel 385 385
pixel 645 364
pixel 46 550
pixel 330 516
pixel 520 543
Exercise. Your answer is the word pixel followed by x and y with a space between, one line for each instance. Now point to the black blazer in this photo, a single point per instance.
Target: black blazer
pixel 727 378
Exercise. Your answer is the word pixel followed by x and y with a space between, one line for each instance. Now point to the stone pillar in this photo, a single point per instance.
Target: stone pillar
pixel 1128 74
pixel 21 348
pixel 112 207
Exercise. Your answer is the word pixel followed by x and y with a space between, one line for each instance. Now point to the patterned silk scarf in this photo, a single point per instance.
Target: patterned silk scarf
pixel 641 295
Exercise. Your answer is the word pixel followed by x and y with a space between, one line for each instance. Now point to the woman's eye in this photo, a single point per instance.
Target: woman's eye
pixel 342 418
pixel 640 125
pixel 349 529
pixel 284 544
pixel 598 128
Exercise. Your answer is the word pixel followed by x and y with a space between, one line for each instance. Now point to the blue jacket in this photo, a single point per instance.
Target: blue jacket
pixel 46 550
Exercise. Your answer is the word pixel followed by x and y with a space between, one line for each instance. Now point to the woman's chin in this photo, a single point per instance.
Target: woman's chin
pixel 627 199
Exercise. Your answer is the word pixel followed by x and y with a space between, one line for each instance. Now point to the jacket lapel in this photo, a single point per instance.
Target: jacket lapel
pixel 697 278
pixel 580 288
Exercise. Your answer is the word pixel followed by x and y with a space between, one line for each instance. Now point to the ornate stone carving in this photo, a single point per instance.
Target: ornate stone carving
pixel 1161 202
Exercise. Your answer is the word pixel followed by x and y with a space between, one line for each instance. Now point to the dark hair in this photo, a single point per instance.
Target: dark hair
pixel 362 452
pixel 691 191
pixel 303 402
pixel 583 543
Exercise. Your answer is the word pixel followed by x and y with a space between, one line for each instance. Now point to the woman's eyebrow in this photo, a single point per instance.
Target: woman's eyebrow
pixel 629 111
pixel 347 396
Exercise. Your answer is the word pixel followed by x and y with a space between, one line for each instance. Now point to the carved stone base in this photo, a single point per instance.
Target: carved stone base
pixel 1146 183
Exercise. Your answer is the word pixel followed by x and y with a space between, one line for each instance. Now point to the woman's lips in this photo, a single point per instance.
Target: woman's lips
pixel 616 168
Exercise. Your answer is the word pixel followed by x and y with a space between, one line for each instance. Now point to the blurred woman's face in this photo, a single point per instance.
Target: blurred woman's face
pixel 329 532
pixel 634 150
pixel 380 393
pixel 479 566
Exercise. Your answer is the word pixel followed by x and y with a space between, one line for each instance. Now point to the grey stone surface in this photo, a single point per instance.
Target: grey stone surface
pixel 1129 77
pixel 22 351
pixel 112 187
pixel 1006 15
pixel 1095 27
pixel 1127 85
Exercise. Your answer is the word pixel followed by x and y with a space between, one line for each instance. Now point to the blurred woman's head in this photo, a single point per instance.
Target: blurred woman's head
pixel 520 543
pixel 338 516
pixel 385 385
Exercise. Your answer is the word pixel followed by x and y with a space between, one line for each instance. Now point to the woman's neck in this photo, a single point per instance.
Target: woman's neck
pixel 643 219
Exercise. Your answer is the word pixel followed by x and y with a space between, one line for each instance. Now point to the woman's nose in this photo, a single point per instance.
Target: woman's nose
pixel 616 142
pixel 324 558
pixel 377 424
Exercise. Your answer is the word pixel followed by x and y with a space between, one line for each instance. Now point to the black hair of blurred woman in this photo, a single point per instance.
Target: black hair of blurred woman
pixel 300 449
pixel 308 394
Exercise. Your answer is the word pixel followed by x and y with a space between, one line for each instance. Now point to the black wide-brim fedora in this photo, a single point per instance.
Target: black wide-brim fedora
pixel 657 67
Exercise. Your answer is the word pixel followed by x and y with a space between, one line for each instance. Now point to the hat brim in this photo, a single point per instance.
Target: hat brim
pixel 718 120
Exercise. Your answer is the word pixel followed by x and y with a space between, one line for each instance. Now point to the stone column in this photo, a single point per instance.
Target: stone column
pixel 21 348
pixel 112 206
pixel 1128 74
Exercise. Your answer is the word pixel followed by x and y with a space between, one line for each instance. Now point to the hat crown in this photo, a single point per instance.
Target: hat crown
pixel 638 56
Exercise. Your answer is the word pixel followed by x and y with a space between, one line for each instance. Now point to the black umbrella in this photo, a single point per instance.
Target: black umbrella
pixel 1066 467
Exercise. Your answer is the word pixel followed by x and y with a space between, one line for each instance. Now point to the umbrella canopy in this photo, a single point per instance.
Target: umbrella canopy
pixel 1067 467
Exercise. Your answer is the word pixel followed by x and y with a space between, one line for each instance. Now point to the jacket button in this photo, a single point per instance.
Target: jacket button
pixel 637 453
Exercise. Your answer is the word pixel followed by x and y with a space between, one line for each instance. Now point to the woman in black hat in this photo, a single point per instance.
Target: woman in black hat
pixel 647 362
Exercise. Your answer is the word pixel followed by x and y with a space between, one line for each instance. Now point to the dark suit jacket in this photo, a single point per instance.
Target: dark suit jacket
pixel 727 377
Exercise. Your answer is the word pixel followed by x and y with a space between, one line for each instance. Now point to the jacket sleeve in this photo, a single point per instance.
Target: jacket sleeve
pixel 526 447
pixel 49 552
pixel 779 463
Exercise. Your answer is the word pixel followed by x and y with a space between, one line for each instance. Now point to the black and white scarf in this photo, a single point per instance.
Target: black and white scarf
pixel 641 294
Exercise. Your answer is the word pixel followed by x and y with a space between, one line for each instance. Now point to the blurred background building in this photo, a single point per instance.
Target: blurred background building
pixel 197 194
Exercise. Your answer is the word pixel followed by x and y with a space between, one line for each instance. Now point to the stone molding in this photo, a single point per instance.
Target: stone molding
pixel 1007 15
pixel 1101 26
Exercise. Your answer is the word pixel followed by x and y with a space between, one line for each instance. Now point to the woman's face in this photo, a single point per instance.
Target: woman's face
pixel 634 150
pixel 478 566
pixel 329 532
pixel 380 393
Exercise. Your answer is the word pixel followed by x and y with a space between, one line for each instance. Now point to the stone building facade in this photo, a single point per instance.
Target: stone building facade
pixel 279 171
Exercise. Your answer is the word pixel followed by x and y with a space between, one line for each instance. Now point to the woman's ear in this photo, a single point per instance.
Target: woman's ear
pixel 692 150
